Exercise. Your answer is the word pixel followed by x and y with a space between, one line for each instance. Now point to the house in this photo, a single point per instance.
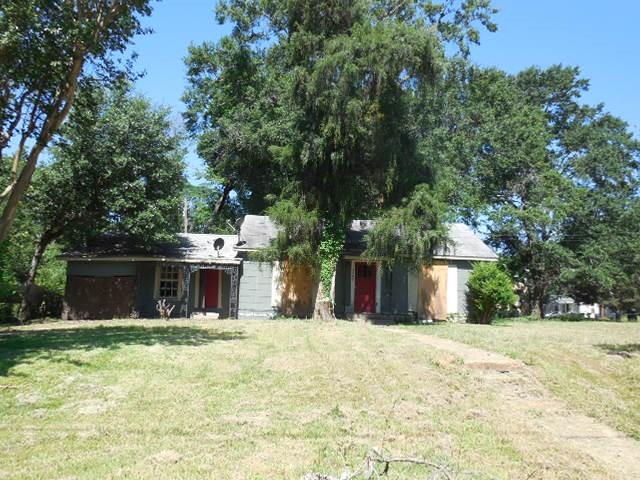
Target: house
pixel 216 274
pixel 568 306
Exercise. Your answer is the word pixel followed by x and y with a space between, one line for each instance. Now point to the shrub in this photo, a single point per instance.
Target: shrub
pixel 490 291
pixel 569 317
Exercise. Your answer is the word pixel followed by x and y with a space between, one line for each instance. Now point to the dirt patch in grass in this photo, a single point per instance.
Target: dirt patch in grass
pixel 165 457
pixel 520 388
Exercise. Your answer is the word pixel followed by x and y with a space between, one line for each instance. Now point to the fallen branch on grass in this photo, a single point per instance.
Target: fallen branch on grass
pixel 376 465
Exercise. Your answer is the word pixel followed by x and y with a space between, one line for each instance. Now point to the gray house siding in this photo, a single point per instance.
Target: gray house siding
pixel 393 291
pixel 145 298
pixel 343 287
pixel 464 271
pixel 255 289
pixel 146 285
pixel 400 303
pixel 101 269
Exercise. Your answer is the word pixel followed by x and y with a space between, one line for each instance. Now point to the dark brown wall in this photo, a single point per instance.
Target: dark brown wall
pixel 99 297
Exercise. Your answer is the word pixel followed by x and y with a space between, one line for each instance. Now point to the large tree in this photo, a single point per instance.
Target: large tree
pixel 551 180
pixel 47 49
pixel 117 169
pixel 315 105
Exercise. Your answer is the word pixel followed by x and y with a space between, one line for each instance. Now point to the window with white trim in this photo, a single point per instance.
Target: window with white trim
pixel 169 281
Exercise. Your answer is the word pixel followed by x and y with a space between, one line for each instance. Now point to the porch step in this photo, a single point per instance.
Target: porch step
pixel 382 318
pixel 205 315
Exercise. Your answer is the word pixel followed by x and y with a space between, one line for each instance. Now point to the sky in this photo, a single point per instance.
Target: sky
pixel 602 38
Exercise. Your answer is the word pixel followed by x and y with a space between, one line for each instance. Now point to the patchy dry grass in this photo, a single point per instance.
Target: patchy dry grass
pixel 252 400
pixel 594 366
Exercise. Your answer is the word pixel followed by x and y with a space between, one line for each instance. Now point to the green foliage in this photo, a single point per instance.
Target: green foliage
pixel 48 48
pixel 570 317
pixel 551 179
pixel 490 291
pixel 201 202
pixel 117 169
pixel 40 40
pixel 299 234
pixel 411 232
pixel 8 282
pixel 322 102
pixel 329 251
pixel 52 274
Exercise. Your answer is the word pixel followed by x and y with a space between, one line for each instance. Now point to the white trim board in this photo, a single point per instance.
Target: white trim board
pixel 452 288
pixel 276 285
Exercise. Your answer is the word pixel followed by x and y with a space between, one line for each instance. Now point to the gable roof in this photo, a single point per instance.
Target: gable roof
pixel 465 244
pixel 257 231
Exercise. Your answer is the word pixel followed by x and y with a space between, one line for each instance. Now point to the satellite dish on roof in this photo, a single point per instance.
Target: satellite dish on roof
pixel 218 245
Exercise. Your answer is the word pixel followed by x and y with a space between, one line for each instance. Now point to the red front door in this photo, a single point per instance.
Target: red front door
pixel 211 284
pixel 365 288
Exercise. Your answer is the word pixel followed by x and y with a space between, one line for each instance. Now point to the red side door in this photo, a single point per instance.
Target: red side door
pixel 211 284
pixel 365 288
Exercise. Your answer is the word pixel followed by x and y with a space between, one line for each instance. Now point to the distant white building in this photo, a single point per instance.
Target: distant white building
pixel 567 305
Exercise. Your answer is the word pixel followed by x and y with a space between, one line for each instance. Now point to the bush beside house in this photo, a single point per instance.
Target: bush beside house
pixel 490 291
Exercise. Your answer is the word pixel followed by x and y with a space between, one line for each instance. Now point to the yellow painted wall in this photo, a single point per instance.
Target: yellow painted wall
pixel 432 291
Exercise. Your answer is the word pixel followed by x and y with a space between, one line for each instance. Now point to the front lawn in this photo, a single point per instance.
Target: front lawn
pixel 594 366
pixel 261 399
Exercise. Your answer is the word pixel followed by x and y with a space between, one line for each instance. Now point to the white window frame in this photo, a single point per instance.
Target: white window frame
pixel 180 281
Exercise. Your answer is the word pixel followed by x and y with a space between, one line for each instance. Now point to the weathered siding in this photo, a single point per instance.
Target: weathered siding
pixel 393 293
pixel 343 288
pixel 432 295
pixel 101 269
pixel 146 275
pixel 413 280
pixel 145 298
pixel 225 278
pixel 464 270
pixel 143 276
pixel 115 299
pixel 255 289
pixel 296 290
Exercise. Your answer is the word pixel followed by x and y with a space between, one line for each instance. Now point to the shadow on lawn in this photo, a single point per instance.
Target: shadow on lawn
pixel 621 349
pixel 18 346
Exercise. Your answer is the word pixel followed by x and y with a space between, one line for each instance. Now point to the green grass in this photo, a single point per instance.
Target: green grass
pixel 251 400
pixel 594 366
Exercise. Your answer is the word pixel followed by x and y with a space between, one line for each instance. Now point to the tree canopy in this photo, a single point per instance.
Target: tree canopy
pixel 47 49
pixel 117 169
pixel 553 181
pixel 317 104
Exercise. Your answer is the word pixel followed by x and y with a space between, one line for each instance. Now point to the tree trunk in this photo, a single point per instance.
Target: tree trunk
pixel 223 199
pixel 59 111
pixel 22 183
pixel 540 306
pixel 26 308
pixel 323 305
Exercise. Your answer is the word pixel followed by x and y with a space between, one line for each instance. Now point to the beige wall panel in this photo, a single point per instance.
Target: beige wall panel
pixel 297 291
pixel 432 293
